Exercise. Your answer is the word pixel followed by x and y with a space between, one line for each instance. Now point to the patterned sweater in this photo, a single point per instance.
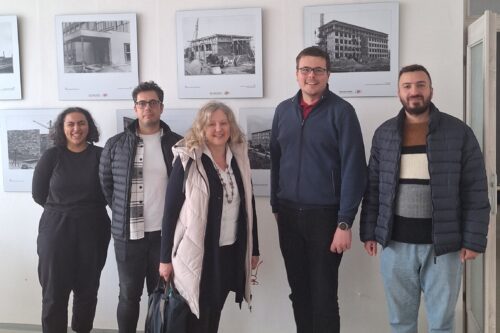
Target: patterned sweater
pixel 413 209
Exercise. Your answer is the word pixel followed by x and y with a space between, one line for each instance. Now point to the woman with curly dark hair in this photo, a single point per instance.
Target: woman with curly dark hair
pixel 74 229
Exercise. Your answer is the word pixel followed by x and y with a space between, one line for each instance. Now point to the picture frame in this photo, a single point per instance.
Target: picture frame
pixel 362 41
pixel 256 124
pixel 96 56
pixel 219 53
pixel 24 137
pixel 178 119
pixel 10 74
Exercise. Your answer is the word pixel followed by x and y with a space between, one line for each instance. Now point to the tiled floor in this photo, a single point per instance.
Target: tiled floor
pixel 22 328
pixel 19 328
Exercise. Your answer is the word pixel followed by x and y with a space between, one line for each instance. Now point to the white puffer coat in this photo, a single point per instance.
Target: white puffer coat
pixel 189 237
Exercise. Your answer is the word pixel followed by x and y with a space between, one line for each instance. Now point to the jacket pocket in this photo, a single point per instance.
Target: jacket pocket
pixel 181 229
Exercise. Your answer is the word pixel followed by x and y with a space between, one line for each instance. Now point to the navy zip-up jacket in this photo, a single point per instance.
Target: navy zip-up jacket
pixel 319 161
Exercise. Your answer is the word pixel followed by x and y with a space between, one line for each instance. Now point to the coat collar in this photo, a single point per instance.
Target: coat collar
pixel 297 97
pixel 132 128
pixel 434 117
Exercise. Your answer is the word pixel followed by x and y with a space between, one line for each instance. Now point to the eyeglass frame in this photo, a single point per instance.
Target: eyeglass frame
pixel 253 276
pixel 316 70
pixel 143 104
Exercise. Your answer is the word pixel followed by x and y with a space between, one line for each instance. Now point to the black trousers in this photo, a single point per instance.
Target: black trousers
pixel 305 236
pixel 72 247
pixel 210 315
pixel 136 260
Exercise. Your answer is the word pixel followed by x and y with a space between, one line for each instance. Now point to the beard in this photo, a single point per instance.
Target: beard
pixel 416 109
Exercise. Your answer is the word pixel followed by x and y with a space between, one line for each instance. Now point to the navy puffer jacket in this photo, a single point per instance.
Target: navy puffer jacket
pixel 115 172
pixel 459 192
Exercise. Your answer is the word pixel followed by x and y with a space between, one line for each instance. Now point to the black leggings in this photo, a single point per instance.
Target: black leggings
pixel 210 316
pixel 72 247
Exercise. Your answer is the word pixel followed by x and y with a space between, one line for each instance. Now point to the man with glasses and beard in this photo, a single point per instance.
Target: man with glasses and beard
pixel 426 203
pixel 134 170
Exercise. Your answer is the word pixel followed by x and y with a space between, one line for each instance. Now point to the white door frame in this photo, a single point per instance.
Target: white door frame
pixel 485 30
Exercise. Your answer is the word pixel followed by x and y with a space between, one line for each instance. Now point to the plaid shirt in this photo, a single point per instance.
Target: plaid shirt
pixel 136 203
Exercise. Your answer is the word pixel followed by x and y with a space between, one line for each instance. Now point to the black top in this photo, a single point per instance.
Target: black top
pixel 64 179
pixel 175 199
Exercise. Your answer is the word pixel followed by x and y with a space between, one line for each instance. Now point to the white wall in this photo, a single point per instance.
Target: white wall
pixel 431 33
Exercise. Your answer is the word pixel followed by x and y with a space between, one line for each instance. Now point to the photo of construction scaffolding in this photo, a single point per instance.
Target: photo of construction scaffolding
pixel 218 45
pixel 24 137
pixel 6 48
pixel 26 146
pixel 96 47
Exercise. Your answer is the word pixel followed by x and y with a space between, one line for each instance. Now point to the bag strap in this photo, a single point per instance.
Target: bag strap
pixel 186 171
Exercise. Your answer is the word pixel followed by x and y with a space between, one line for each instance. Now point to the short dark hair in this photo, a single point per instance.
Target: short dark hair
pixel 57 133
pixel 414 68
pixel 147 86
pixel 313 51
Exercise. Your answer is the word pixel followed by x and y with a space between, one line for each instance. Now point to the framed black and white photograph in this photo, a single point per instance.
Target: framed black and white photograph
pixel 179 120
pixel 256 123
pixel 362 42
pixel 97 56
pixel 219 53
pixel 24 136
pixel 10 75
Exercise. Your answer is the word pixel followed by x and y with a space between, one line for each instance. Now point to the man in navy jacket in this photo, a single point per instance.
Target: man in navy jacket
pixel 427 205
pixel 318 176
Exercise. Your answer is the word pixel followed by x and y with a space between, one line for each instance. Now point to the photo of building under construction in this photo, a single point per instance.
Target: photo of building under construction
pixel 96 47
pixel 24 137
pixel 219 45
pixel 26 146
pixel 10 73
pixel 259 138
pixel 6 48
pixel 362 40
pixel 256 124
pixel 352 47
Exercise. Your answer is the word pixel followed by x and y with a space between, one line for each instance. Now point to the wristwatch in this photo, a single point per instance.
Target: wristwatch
pixel 343 226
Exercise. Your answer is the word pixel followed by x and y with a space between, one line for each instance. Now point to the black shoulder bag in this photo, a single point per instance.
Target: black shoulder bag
pixel 167 310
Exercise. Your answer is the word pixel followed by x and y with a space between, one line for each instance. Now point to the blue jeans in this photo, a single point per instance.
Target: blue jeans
pixel 305 236
pixel 136 260
pixel 410 269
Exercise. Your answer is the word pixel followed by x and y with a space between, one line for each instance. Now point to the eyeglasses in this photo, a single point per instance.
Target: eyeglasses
pixel 315 70
pixel 253 276
pixel 152 103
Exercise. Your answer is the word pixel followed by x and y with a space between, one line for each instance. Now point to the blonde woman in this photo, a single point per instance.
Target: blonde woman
pixel 209 234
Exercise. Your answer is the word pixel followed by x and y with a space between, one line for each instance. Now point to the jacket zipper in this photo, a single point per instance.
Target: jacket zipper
pixel 430 186
pixel 300 158
pixel 393 194
pixel 396 182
